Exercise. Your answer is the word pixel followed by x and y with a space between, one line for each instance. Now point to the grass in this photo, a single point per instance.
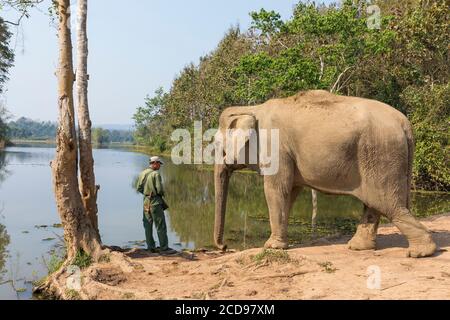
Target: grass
pixel 55 263
pixel 327 267
pixel 271 255
pixel 71 294
pixel 241 260
pixel 128 296
pixel 82 260
pixel 39 282
pixel 105 258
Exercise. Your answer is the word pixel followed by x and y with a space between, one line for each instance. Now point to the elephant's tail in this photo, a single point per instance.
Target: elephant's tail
pixel 411 150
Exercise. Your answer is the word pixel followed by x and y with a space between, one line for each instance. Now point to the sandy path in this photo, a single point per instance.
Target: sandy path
pixel 327 270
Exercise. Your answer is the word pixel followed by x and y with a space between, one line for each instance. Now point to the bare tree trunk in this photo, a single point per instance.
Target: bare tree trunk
pixel 314 214
pixel 88 188
pixel 78 231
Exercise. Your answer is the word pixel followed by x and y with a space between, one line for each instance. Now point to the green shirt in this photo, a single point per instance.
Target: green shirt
pixel 153 185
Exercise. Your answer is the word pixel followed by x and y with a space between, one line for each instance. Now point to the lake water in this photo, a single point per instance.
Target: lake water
pixel 29 233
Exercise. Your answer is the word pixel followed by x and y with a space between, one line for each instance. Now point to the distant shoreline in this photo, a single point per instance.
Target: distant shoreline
pixel 52 142
pixel 151 151
pixel 19 141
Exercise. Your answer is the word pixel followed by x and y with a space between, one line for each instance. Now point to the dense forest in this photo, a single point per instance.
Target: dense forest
pixel 25 128
pixel 401 59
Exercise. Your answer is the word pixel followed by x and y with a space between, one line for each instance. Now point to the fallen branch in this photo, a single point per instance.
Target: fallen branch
pixel 393 286
pixel 273 276
pixel 265 264
pixel 224 282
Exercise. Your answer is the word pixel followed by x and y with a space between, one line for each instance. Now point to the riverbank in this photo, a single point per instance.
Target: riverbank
pixel 53 142
pixel 325 269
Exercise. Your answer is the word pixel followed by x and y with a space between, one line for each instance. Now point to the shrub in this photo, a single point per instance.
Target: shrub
pixel 430 116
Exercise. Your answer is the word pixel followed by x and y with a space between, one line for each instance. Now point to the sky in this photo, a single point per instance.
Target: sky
pixel 135 46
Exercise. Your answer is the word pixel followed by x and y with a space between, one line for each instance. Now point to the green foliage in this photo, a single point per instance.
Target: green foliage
pixel 326 47
pixel 271 256
pixel 6 54
pixel 430 116
pixel 4 242
pixel 327 267
pixel 121 136
pixel 100 136
pixel 25 128
pixel 3 125
pixel 266 23
pixel 55 263
pixel 128 296
pixel 82 260
pixel 149 123
pixel 22 7
pixel 71 294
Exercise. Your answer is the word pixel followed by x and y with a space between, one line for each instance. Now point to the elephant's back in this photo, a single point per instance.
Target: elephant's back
pixel 323 106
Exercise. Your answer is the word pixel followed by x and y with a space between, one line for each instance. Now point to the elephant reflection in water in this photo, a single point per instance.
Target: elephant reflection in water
pixel 333 144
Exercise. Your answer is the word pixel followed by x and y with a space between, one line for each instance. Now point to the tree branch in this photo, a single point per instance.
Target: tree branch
pixel 322 67
pixel 21 6
pixel 333 89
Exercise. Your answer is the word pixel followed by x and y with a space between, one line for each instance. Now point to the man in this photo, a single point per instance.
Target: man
pixel 150 185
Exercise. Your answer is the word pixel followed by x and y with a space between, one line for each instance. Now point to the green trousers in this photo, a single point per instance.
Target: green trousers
pixel 157 217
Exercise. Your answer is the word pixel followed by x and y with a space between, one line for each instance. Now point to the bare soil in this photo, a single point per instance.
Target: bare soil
pixel 325 269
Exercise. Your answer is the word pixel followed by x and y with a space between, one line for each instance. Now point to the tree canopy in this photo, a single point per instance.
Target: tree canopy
pixel 404 62
pixel 6 53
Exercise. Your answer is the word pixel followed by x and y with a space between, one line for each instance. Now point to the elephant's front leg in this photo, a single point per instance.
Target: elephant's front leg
pixel 280 197
pixel 366 234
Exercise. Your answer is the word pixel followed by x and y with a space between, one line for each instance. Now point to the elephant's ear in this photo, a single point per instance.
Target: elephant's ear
pixel 241 129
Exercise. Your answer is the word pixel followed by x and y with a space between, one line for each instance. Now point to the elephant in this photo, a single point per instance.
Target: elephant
pixel 334 144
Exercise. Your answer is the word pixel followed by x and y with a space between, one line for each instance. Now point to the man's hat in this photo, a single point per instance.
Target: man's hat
pixel 156 159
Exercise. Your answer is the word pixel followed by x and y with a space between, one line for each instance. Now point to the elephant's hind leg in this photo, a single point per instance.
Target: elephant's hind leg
pixel 366 234
pixel 420 241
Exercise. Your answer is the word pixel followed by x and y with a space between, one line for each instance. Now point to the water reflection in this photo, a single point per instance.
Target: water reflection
pixel 3 171
pixel 4 242
pixel 190 192
pixel 191 195
pixel 27 195
pixel 4 238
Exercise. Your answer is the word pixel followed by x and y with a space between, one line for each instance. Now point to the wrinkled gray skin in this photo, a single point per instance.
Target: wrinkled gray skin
pixel 336 145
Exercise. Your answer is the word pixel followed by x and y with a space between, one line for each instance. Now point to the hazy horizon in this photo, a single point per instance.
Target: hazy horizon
pixel 134 49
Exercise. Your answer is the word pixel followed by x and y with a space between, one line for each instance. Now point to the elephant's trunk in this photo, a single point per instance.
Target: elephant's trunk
pixel 221 180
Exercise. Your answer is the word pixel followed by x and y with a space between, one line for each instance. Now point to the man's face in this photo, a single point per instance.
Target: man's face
pixel 155 165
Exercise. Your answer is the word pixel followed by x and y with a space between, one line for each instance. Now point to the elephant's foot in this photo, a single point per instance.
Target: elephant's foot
pixel 360 243
pixel 420 249
pixel 274 243
pixel 364 239
pixel 421 243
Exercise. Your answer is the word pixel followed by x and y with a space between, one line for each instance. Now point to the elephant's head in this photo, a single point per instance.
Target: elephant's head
pixel 233 142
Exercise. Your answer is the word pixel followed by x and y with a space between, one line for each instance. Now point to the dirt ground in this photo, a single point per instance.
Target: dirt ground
pixel 323 270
